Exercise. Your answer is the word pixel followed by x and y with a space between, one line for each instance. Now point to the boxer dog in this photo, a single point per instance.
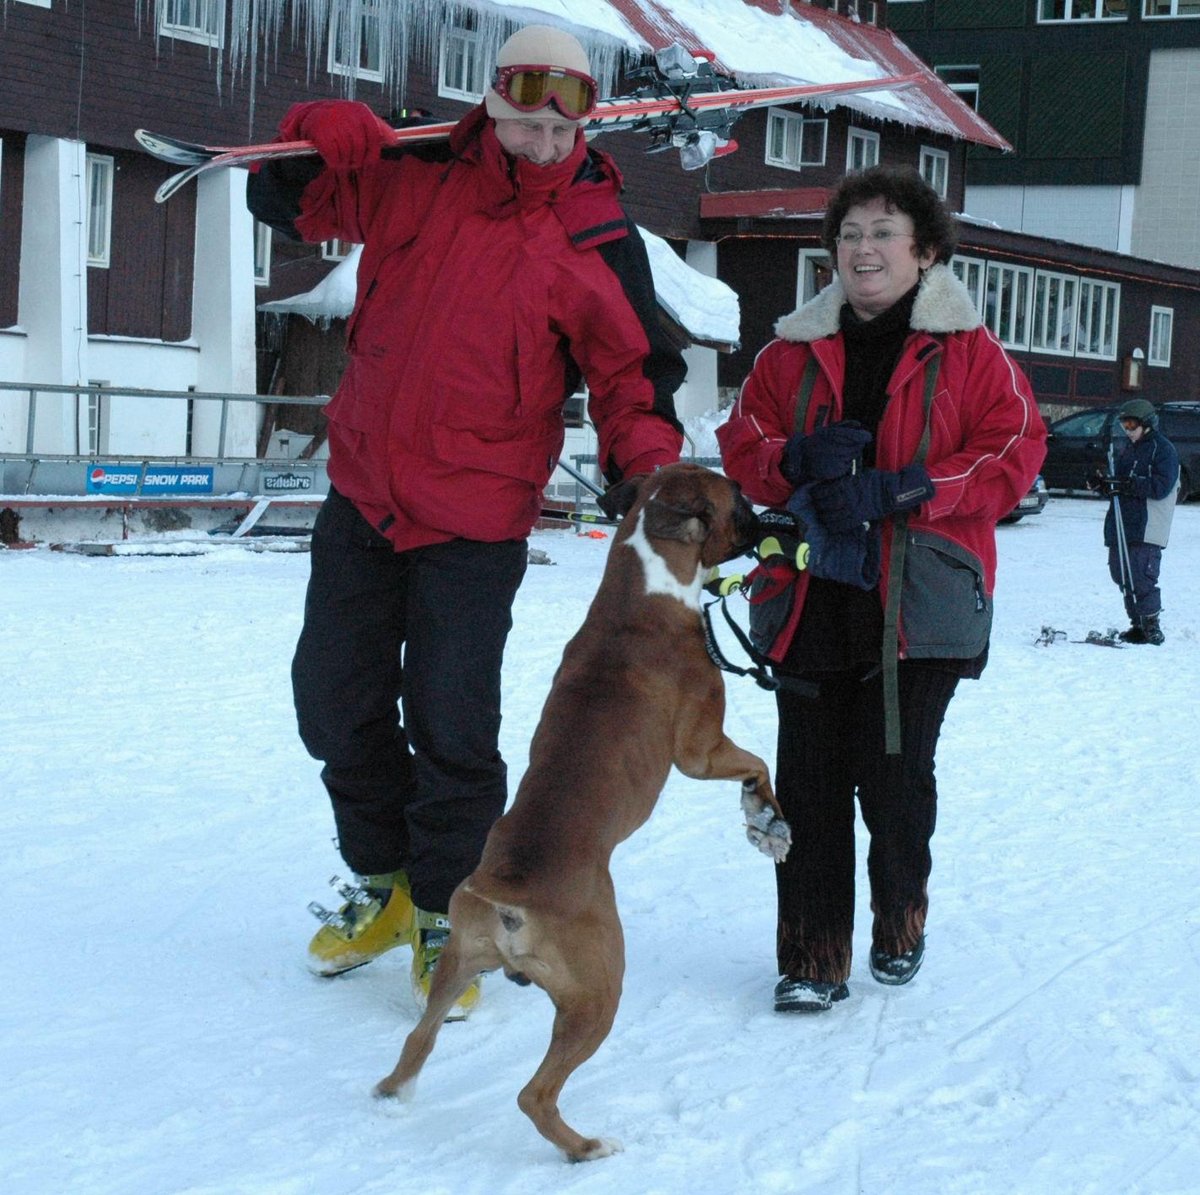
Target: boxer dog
pixel 540 904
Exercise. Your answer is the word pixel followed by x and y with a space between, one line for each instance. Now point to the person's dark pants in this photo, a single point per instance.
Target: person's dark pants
pixel 1145 561
pixel 830 747
pixel 424 628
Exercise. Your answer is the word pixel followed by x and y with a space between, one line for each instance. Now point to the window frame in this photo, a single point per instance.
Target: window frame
pixel 211 34
pixel 336 249
pixel 865 137
pixel 361 12
pixel 808 263
pixel 1071 9
pixel 1085 309
pixel 932 154
pixel 967 88
pixel 1160 316
pixel 1016 336
pixel 976 266
pixel 262 253
pixel 102 168
pixel 1173 15
pixel 781 116
pixel 1067 308
pixel 472 58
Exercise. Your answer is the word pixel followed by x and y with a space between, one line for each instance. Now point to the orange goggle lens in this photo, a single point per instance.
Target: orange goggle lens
pixel 532 88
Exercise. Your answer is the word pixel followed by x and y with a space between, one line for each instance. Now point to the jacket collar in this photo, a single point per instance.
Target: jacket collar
pixel 942 305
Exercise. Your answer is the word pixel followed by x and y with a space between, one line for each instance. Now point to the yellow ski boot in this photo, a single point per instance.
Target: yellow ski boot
pixel 431 932
pixel 376 918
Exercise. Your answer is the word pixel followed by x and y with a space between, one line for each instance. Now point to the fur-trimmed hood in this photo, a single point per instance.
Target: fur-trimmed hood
pixel 942 305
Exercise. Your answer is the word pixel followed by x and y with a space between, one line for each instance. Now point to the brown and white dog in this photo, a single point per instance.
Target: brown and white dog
pixel 637 675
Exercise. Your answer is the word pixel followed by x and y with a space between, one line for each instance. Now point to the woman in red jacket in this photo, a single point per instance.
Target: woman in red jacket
pixel 898 431
pixel 495 272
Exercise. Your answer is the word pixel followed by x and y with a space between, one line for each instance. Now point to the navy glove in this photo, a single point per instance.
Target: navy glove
pixel 347 134
pixel 825 453
pixel 849 502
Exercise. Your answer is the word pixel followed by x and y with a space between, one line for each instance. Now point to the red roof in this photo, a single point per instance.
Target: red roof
pixel 929 104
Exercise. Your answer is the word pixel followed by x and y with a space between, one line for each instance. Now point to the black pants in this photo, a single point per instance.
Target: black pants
pixel 425 628
pixel 1145 562
pixel 831 747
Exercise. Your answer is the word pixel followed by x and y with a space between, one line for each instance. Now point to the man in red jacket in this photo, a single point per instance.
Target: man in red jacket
pixel 495 272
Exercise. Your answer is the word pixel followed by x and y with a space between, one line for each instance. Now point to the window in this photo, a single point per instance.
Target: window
pixel 262 254
pixel 970 272
pixel 99 199
pixel 1054 297
pixel 1096 334
pixel 1082 10
pixel 1162 322
pixel 793 142
pixel 200 21
pixel 1007 303
pixel 935 169
pixel 354 40
pixel 862 150
pixel 337 250
pixel 814 275
pixel 461 73
pixel 1171 8
pixel 963 81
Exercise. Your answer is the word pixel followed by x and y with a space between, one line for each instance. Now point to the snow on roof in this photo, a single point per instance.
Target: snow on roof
pixel 706 308
pixel 770 42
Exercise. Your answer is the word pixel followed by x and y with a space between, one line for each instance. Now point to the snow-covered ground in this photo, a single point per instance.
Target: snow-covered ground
pixel 163 830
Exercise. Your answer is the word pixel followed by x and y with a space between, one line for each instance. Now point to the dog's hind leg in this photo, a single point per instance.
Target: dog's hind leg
pixel 469 951
pixel 586 989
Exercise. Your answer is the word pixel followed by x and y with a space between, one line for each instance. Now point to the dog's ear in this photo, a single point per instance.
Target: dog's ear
pixel 617 500
pixel 688 524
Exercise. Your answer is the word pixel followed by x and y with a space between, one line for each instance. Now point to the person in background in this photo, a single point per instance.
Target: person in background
pixel 1145 485
pixel 898 430
pixel 496 271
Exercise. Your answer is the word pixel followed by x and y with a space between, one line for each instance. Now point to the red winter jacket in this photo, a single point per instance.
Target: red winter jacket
pixel 486 287
pixel 986 446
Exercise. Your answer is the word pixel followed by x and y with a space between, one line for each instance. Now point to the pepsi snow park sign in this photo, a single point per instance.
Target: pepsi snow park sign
pixel 157 480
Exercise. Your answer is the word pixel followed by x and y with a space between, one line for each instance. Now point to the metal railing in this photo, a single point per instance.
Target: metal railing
pixel 32 390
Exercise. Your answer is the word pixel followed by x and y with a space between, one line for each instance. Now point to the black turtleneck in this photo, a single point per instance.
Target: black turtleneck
pixel 872 349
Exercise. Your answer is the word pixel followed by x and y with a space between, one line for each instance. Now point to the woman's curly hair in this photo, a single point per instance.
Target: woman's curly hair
pixel 901 189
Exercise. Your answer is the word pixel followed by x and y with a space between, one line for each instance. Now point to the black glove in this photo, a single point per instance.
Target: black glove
pixel 1107 486
pixel 617 499
pixel 849 502
pixel 825 453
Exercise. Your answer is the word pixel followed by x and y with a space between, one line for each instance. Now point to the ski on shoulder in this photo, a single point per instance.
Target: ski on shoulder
pixel 684 104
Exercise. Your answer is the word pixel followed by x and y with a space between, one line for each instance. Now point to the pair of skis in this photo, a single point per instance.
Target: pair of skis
pixel 1109 638
pixel 684 104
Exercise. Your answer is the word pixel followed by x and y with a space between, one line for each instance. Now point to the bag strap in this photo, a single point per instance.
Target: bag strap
pixel 890 657
pixel 808 381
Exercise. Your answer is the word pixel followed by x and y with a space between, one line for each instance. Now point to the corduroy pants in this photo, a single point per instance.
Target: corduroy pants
pixel 831 748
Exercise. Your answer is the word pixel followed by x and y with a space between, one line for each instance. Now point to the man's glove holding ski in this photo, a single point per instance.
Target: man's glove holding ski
pixel 849 502
pixel 347 134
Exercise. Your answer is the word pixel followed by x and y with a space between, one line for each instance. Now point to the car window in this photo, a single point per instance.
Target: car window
pixel 1087 425
pixel 1184 425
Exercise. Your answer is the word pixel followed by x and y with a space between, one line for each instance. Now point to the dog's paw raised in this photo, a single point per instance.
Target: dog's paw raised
pixel 770 834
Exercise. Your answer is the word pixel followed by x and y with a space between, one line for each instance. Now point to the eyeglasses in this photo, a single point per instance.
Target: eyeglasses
pixel 532 88
pixel 880 237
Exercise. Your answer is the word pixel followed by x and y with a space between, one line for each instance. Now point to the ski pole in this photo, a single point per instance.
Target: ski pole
pixel 1122 543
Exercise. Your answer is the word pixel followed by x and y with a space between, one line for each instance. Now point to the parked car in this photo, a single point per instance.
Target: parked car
pixel 1078 445
pixel 1033 503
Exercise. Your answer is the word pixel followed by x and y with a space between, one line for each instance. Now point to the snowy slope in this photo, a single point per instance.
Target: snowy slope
pixel 163 831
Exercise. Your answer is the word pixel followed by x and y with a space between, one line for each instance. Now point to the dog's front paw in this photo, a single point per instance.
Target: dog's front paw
pixel 769 833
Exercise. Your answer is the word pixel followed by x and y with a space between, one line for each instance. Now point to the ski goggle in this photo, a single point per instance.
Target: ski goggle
pixel 531 88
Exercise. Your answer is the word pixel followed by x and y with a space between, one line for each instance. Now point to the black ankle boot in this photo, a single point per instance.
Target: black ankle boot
pixel 1151 630
pixel 897 968
pixel 807 995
